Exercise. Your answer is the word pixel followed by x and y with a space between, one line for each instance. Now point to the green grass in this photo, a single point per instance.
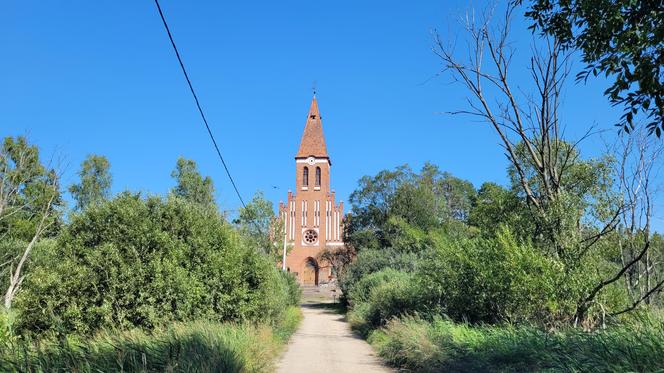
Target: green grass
pixel 416 345
pixel 200 346
pixel 288 324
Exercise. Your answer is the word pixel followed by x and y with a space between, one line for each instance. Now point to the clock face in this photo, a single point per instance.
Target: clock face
pixel 311 160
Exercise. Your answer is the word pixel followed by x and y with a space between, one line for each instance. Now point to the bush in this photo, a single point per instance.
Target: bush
pixel 477 279
pixel 135 262
pixel 381 296
pixel 370 261
pixel 361 290
pixel 359 319
pixel 494 280
pixel 293 290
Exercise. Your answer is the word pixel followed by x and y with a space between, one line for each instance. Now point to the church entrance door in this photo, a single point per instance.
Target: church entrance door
pixel 310 273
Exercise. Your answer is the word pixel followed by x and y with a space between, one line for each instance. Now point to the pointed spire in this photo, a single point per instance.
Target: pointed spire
pixel 313 140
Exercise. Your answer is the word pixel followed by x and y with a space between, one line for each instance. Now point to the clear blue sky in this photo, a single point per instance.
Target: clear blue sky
pixel 83 77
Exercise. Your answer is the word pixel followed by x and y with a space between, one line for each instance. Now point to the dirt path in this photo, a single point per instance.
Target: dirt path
pixel 324 343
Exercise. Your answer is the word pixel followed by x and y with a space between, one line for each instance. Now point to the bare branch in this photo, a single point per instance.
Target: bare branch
pixel 654 290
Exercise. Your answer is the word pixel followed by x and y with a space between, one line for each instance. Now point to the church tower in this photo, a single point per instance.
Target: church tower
pixel 312 218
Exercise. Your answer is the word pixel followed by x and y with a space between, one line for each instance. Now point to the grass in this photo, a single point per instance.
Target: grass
pixel 416 345
pixel 200 346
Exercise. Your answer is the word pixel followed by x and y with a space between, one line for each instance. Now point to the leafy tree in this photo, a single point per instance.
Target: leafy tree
pixel 622 39
pixel 95 184
pixel 496 206
pixel 339 258
pixel 572 203
pixel 29 201
pixel 581 196
pixel 260 226
pixel 190 183
pixel 371 205
pixel 424 201
pixel 26 186
pixel 418 205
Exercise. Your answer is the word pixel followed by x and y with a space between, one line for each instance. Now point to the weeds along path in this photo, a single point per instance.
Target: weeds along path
pixel 325 343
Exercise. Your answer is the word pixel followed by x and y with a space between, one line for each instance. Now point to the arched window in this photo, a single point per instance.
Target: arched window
pixel 317 176
pixel 305 176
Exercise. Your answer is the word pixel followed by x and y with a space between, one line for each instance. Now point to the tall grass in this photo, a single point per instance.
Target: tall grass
pixel 441 345
pixel 200 346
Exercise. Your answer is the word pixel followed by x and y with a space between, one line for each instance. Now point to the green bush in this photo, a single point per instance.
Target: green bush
pixel 199 346
pixel 422 346
pixel 494 280
pixel 359 319
pixel 294 292
pixel 361 290
pixel 393 298
pixel 136 262
pixel 381 296
pixel 370 261
pixel 490 280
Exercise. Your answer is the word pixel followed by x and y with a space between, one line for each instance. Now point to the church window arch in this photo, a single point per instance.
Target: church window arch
pixel 317 176
pixel 305 176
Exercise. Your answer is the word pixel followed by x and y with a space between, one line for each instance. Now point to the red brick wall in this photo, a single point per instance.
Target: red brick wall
pixel 300 251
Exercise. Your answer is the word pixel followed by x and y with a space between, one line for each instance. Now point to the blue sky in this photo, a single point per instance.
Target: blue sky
pixel 81 77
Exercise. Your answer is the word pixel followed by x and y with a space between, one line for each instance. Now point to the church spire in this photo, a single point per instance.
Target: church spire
pixel 313 140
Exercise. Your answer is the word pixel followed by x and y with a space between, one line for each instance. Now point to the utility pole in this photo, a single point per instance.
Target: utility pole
pixel 283 259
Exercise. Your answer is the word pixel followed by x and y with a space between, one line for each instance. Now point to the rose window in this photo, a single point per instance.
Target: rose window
pixel 310 236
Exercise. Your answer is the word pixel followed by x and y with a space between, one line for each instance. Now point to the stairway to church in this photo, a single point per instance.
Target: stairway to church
pixel 319 294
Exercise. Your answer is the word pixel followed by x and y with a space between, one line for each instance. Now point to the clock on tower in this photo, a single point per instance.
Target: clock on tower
pixel 313 220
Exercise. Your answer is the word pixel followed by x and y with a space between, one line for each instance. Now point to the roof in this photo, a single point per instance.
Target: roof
pixel 313 140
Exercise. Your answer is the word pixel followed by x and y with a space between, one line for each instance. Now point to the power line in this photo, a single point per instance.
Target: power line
pixel 198 104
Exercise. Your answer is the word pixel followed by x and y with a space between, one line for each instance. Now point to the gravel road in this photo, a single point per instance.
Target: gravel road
pixel 325 343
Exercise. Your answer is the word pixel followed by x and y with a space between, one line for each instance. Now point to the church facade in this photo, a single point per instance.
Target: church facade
pixel 313 220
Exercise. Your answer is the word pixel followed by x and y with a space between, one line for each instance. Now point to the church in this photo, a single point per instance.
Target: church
pixel 313 220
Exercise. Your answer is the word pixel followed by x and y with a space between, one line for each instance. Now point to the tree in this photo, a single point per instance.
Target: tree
pixel 496 206
pixel 260 226
pixel 191 185
pixel 339 258
pixel 571 201
pixel 95 184
pixel 527 124
pixel 26 186
pixel 400 201
pixel 635 167
pixel 371 204
pixel 29 197
pixel 622 39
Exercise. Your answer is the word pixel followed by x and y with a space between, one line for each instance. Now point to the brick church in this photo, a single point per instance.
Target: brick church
pixel 312 218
